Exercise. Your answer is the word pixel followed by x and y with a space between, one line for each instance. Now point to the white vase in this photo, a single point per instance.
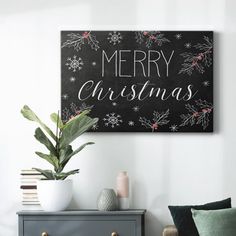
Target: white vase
pixel 54 195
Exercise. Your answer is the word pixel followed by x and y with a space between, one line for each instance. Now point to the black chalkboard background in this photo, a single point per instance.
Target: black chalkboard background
pixel 190 65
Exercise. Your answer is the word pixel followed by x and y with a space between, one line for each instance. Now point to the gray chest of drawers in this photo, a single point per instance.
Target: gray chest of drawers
pixel 81 223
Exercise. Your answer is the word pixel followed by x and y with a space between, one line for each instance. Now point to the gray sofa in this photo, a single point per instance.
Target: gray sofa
pixel 170 230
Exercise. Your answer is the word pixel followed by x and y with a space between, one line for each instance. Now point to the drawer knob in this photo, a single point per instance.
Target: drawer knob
pixel 114 234
pixel 44 234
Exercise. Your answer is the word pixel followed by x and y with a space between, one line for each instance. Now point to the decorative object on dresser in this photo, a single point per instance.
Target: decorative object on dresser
pixel 122 188
pixel 29 186
pixel 51 189
pixel 55 195
pixel 83 223
pixel 107 200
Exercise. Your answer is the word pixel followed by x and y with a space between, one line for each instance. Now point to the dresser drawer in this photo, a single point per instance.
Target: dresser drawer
pixel 79 227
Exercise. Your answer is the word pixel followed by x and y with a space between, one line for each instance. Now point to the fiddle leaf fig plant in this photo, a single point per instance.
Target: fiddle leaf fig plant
pixel 59 144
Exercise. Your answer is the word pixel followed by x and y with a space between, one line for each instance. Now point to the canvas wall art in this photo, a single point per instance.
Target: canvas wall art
pixel 139 81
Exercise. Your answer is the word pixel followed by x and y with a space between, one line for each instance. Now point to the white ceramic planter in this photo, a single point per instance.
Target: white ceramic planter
pixel 54 195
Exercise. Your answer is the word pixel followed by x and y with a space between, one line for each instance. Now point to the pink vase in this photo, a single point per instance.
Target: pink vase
pixel 122 187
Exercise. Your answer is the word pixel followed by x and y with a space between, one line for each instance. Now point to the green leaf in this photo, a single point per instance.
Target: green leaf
pixel 76 127
pixel 57 120
pixel 81 148
pixel 46 173
pixel 64 153
pixel 67 158
pixel 42 138
pixel 83 113
pixel 64 175
pixel 30 115
pixel 50 158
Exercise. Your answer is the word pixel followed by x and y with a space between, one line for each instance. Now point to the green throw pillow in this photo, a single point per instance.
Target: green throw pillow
pixel 183 220
pixel 215 222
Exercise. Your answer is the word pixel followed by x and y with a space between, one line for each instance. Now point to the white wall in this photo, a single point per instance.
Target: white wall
pixel 164 168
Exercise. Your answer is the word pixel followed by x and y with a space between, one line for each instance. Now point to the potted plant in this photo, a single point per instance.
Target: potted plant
pixel 55 190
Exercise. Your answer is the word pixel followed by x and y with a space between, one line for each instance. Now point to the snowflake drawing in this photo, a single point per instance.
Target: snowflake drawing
pixel 159 119
pixel 197 115
pixel 136 108
pixel 112 119
pixel 114 104
pixel 198 61
pixel 150 37
pixel 72 79
pixel 131 123
pixel 178 36
pixel 206 83
pixel 187 45
pixel 73 110
pixel 74 64
pixel 77 40
pixel 65 96
pixel 95 127
pixel 174 128
pixel 114 37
